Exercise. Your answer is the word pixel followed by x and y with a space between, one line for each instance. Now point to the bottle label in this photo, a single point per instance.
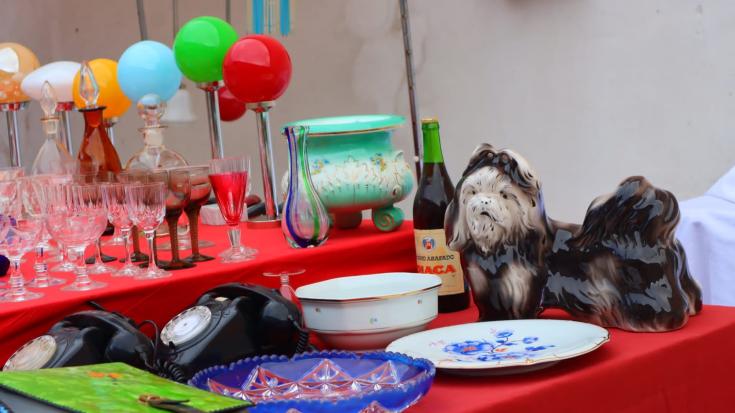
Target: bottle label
pixel 434 257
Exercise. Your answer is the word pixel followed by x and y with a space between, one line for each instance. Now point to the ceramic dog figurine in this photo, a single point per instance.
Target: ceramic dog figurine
pixel 621 268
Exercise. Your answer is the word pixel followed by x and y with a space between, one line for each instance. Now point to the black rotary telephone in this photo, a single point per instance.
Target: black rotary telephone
pixel 229 323
pixel 86 337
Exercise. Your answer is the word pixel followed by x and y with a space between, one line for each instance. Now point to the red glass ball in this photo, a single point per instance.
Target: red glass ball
pixel 257 68
pixel 229 107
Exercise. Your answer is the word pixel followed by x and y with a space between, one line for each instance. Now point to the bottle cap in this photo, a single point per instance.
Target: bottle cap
pixel 429 123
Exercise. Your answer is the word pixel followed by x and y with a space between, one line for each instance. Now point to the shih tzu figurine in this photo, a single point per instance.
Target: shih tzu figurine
pixel 622 267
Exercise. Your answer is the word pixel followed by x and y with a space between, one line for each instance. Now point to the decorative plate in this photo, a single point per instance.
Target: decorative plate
pixel 334 381
pixel 502 347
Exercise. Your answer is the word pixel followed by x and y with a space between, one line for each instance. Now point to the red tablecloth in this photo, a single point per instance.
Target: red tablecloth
pixel 690 370
pixel 349 252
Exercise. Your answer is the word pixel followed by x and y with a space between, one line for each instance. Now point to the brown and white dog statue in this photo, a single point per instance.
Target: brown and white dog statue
pixel 622 267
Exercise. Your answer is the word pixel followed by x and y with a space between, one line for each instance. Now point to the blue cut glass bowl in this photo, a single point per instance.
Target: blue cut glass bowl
pixel 323 382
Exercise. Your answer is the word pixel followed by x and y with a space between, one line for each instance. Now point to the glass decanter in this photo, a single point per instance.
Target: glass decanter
pixel 154 154
pixel 96 148
pixel 304 221
pixel 52 157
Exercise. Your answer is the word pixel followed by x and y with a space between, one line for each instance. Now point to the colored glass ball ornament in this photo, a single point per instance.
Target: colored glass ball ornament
pixel 16 62
pixel 230 109
pixel 257 68
pixel 148 67
pixel 200 47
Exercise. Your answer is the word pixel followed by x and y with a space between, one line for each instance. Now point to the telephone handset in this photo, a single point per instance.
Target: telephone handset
pixel 232 322
pixel 87 337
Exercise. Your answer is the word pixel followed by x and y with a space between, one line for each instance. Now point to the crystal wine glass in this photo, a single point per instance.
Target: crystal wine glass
pixel 178 187
pixel 20 235
pixel 200 190
pixel 140 176
pixel 11 172
pixel 32 197
pixel 229 178
pixel 9 194
pixel 97 262
pixel 117 213
pixel 76 216
pixel 146 205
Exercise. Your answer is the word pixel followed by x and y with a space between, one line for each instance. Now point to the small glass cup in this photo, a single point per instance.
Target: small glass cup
pixel 285 288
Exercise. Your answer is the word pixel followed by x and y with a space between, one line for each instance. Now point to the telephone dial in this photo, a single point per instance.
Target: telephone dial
pixel 87 337
pixel 232 322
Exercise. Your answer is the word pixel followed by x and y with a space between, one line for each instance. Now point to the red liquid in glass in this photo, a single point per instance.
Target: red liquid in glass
pixel 229 189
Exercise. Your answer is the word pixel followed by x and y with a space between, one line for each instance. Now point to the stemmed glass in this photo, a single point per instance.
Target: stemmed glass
pixel 285 289
pixel 8 195
pixel 117 213
pixel 178 188
pixel 76 216
pixel 97 262
pixel 11 172
pixel 20 232
pixel 33 200
pixel 146 205
pixel 200 189
pixel 229 177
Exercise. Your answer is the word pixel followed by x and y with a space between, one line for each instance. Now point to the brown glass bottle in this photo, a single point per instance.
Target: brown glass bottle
pixel 97 151
pixel 433 195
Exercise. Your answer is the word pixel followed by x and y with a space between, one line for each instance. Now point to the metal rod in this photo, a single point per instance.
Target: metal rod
pixel 141 20
pixel 267 165
pixel 228 11
pixel 215 130
pixel 65 130
pixel 13 137
pixel 175 10
pixel 408 53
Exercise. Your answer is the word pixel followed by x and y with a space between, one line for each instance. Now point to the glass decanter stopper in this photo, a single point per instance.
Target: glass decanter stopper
pixel 305 222
pixel 154 154
pixel 97 150
pixel 52 157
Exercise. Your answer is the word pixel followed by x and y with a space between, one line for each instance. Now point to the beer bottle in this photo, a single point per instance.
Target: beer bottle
pixel 433 194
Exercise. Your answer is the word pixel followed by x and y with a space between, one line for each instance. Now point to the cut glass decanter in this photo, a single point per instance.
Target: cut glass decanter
pixel 52 158
pixel 154 154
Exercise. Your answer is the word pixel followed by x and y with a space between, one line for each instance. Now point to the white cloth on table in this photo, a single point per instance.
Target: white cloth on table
pixel 707 231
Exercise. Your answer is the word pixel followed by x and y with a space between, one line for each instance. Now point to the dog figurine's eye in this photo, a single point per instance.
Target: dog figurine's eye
pixel 505 196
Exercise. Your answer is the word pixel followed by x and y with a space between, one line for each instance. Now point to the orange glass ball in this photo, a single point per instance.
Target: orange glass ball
pixel 16 61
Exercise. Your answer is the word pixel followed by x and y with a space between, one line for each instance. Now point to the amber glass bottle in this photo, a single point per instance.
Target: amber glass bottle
pixel 433 194
pixel 97 150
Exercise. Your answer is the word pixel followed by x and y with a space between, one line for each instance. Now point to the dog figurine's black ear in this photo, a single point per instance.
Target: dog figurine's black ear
pixel 455 222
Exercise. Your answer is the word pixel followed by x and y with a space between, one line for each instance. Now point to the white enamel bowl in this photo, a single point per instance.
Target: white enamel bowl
pixel 367 312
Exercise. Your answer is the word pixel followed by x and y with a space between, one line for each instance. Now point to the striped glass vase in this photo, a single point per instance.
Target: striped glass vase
pixel 305 222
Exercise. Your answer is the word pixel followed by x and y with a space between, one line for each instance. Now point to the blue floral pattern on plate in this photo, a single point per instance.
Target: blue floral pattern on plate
pixel 503 347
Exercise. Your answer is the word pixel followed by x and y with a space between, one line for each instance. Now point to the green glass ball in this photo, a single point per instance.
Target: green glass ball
pixel 200 47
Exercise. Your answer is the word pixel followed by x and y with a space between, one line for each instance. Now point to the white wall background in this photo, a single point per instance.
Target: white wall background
pixel 590 91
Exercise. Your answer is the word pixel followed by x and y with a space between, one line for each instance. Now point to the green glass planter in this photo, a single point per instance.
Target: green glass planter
pixel 354 167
